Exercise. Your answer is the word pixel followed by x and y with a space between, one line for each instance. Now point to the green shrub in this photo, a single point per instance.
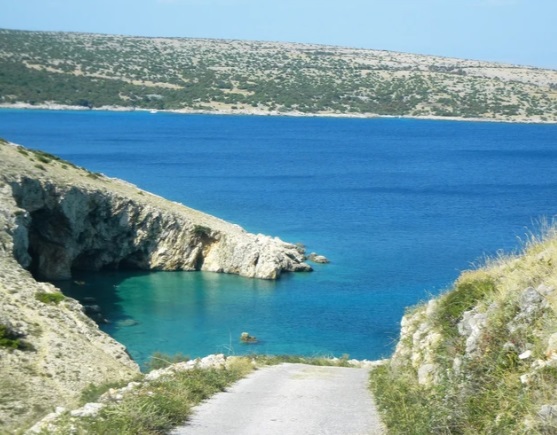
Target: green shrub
pixel 12 340
pixel 8 338
pixel 49 298
pixel 463 297
pixel 43 159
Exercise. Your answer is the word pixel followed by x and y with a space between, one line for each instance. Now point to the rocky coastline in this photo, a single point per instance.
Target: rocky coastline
pixel 66 218
pixel 261 112
pixel 56 217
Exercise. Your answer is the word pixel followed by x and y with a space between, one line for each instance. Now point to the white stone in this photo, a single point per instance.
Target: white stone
pixel 525 355
pixel 426 374
pixel 88 410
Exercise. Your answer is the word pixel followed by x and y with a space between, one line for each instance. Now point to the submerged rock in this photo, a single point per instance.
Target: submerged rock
pixel 318 258
pixel 246 338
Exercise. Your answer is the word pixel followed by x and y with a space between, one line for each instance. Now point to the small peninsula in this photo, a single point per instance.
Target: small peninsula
pixel 56 217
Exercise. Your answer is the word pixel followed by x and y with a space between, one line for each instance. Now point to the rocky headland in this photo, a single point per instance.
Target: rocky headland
pixel 65 218
pixel 55 218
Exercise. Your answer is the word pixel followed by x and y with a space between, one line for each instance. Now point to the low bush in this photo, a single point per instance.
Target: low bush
pixel 9 339
pixel 201 230
pixel 49 298
pixel 465 294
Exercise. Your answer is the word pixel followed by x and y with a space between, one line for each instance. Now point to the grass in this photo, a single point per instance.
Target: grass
pixel 160 360
pixel 155 407
pixel 160 405
pixel 92 392
pixel 295 359
pixel 406 406
pixel 493 390
pixel 464 295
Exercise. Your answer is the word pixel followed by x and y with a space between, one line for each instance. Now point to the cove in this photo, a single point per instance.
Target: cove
pixel 399 206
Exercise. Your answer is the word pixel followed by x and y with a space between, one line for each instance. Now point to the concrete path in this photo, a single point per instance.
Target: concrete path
pixel 290 399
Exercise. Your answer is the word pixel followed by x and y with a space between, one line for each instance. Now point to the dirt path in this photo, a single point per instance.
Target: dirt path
pixel 291 399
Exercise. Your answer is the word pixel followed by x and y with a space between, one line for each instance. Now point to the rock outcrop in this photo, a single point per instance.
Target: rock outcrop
pixel 66 218
pixel 55 218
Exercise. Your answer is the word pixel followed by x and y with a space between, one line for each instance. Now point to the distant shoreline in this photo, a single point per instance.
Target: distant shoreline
pixel 255 112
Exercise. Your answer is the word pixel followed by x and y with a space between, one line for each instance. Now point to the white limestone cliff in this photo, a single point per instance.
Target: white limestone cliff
pixel 67 218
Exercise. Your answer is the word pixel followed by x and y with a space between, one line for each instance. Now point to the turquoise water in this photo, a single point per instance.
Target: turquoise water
pixel 399 206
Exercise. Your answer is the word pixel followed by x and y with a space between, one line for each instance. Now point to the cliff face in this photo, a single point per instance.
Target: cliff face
pixel 55 218
pixel 481 358
pixel 71 219
pixel 49 349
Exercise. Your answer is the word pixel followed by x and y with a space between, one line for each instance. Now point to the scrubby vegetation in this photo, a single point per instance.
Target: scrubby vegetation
pixel 296 359
pixel 92 71
pixel 50 298
pixel 158 405
pixel 482 358
pixel 11 339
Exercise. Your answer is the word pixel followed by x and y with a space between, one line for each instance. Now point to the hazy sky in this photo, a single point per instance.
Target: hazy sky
pixel 515 31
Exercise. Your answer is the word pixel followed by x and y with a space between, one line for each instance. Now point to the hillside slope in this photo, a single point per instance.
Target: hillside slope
pixel 229 76
pixel 481 358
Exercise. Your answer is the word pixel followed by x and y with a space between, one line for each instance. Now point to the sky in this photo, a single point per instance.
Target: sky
pixel 510 31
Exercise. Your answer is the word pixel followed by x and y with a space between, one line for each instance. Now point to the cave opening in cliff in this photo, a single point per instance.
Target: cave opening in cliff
pixel 49 232
pixel 56 252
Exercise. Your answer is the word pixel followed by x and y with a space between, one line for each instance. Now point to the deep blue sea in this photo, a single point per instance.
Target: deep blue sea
pixel 399 206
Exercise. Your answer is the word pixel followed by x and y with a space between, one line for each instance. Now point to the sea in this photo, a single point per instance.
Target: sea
pixel 400 207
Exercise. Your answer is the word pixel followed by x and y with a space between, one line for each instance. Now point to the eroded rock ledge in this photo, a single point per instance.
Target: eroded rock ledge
pixel 66 218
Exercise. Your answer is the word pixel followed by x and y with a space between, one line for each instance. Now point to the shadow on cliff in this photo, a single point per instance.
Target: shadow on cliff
pixel 98 293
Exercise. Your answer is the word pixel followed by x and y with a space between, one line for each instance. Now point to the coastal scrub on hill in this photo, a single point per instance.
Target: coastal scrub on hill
pixel 49 69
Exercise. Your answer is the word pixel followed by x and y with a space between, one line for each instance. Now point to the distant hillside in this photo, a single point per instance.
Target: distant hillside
pixel 262 77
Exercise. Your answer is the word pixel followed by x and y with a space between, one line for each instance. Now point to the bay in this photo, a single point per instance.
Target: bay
pixel 400 207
